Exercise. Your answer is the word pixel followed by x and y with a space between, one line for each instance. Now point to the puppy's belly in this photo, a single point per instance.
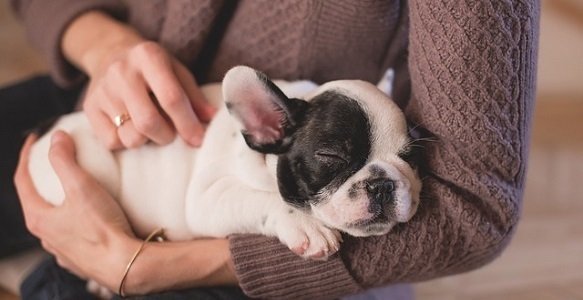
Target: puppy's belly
pixel 154 181
pixel 149 182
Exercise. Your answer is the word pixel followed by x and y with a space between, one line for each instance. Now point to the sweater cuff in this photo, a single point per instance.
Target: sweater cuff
pixel 46 22
pixel 267 269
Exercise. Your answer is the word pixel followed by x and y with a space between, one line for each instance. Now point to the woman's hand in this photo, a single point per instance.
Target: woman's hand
pixel 90 235
pixel 135 78
pixel 89 231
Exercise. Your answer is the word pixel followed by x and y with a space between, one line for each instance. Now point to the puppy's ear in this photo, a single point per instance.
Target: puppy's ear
pixel 267 117
pixel 414 154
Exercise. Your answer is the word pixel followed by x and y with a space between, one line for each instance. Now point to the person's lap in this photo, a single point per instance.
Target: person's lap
pixel 49 281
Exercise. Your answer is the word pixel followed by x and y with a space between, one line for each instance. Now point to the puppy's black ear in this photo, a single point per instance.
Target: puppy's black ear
pixel 268 118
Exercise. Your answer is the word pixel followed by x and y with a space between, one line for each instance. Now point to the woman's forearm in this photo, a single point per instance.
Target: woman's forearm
pixel 176 265
pixel 94 37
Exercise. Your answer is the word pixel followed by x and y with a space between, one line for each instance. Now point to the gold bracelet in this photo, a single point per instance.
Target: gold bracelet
pixel 158 233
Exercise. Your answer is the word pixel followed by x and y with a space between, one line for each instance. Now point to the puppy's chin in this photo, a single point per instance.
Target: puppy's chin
pixel 357 219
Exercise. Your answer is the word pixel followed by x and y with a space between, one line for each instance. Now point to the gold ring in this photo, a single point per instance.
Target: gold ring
pixel 120 119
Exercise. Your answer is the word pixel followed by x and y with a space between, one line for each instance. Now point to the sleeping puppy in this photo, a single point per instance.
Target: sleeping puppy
pixel 289 160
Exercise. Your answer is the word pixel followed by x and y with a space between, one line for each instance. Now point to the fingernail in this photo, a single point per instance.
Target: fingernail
pixel 196 141
pixel 57 137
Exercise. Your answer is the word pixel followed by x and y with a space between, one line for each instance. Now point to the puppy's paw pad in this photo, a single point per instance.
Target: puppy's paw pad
pixel 301 249
pixel 323 243
pixel 320 255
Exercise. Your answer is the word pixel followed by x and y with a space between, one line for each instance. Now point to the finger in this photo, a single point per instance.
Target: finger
pixel 203 109
pixel 104 129
pixel 96 108
pixel 62 156
pixel 126 133
pixel 22 167
pixel 165 85
pixel 30 199
pixel 129 135
pixel 146 119
pixel 67 265
pixel 50 249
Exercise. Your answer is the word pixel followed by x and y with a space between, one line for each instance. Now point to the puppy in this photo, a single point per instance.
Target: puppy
pixel 290 160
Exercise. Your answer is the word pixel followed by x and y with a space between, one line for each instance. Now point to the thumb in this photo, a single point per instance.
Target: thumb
pixel 62 155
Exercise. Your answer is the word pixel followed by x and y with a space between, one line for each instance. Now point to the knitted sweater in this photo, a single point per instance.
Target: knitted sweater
pixel 465 73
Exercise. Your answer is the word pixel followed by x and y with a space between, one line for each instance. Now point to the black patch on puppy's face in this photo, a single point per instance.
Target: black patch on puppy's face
pixel 331 144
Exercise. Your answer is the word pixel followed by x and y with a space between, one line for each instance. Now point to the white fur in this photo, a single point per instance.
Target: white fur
pixel 219 189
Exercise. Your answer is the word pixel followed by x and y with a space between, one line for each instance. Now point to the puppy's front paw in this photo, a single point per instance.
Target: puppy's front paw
pixel 308 237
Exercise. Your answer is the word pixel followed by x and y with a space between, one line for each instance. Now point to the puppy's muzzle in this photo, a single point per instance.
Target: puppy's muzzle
pixel 380 192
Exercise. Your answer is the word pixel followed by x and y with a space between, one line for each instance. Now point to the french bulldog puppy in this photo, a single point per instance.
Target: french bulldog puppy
pixel 288 159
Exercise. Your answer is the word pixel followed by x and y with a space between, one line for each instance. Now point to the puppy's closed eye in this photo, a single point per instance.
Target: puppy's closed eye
pixel 330 157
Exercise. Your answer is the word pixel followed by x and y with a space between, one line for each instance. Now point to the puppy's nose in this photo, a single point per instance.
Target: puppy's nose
pixel 380 189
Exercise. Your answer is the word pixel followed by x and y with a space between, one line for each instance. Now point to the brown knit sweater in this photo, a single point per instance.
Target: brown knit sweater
pixel 465 73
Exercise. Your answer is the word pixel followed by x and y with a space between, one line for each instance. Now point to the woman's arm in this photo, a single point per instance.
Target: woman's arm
pixel 473 66
pixel 90 235
pixel 179 265
pixel 45 23
pixel 94 37
pixel 128 75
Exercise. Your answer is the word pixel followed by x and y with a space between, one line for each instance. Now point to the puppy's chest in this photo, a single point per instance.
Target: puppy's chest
pixel 158 183
pixel 178 166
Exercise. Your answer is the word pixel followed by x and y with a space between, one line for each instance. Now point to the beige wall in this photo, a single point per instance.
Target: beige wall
pixel 560 69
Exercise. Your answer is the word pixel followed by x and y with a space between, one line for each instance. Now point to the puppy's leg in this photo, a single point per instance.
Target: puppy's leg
pixel 303 234
pixel 228 207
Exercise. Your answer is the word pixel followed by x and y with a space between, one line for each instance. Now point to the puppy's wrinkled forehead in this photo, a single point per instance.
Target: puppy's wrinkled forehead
pixel 387 127
pixel 332 143
pixel 337 120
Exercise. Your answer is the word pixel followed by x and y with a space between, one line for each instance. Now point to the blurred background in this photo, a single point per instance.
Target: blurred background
pixel 545 259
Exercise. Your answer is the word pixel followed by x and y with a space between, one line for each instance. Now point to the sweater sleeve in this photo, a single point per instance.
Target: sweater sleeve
pixel 45 23
pixel 472 66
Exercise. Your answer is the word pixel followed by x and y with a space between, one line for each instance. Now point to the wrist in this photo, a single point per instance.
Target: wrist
pixel 94 38
pixel 120 249
pixel 179 265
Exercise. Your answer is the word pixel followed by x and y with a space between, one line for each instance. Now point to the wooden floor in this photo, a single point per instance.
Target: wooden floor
pixel 545 259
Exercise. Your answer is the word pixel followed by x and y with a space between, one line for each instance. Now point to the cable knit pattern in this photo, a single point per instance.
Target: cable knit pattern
pixel 472 67
pixel 307 39
pixel 472 72
pixel 186 35
pixel 267 269
pixel 142 18
pixel 281 38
